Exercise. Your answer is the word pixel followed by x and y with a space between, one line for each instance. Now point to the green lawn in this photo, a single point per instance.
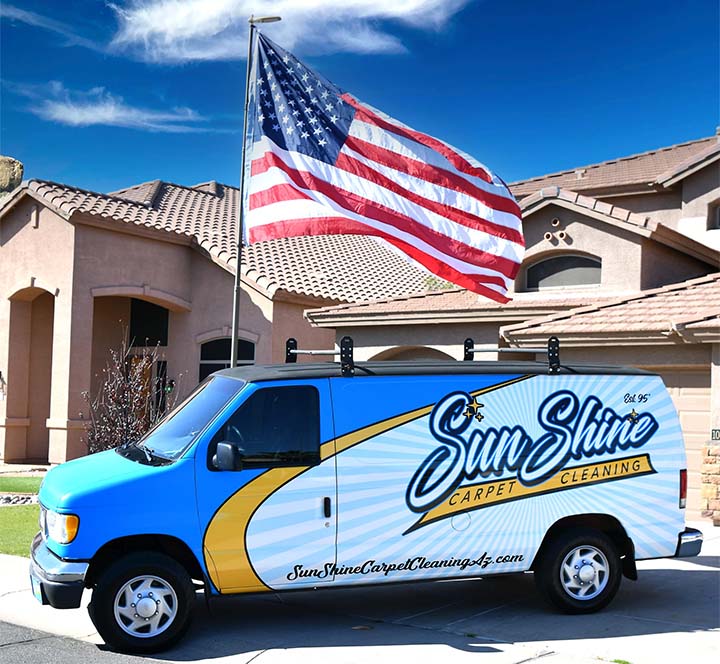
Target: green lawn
pixel 18 526
pixel 20 484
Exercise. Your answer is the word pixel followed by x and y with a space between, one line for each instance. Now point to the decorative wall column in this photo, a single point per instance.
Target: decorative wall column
pixel 71 374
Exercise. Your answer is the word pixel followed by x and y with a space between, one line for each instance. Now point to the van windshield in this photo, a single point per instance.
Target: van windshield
pixel 168 439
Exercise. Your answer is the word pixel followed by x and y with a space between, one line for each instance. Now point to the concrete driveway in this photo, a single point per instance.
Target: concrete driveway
pixel 671 614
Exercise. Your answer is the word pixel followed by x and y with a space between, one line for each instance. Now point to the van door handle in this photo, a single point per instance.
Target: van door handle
pixel 327 511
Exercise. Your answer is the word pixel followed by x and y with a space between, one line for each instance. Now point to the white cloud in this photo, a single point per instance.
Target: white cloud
pixel 97 106
pixel 174 31
pixel 39 21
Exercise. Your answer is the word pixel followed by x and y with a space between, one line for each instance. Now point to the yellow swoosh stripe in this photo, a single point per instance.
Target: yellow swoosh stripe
pixel 224 545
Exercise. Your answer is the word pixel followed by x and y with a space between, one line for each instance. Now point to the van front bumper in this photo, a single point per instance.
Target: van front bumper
pixel 689 543
pixel 56 582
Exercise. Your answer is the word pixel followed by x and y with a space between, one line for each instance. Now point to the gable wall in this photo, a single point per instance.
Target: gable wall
pixel 618 249
pixel 105 258
pixel 44 252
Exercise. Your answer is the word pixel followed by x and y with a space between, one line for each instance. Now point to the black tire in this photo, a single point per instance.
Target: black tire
pixel 594 561
pixel 161 581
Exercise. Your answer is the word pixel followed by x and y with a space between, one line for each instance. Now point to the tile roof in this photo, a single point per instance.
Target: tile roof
pixel 638 169
pixel 341 268
pixel 448 304
pixel 349 268
pixel 690 305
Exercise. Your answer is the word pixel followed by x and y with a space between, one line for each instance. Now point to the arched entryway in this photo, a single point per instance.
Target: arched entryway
pixel 412 353
pixel 29 375
pixel 132 328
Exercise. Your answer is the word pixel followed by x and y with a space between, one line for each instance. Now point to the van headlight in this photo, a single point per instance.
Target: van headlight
pixel 60 527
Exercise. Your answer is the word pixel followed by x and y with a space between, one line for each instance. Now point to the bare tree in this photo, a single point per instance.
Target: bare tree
pixel 126 405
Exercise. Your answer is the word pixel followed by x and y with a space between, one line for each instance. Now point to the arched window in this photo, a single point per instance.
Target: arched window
pixel 563 271
pixel 215 355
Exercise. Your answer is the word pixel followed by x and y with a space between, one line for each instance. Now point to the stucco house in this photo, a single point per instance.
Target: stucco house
pixel 635 239
pixel 156 263
pixel 622 264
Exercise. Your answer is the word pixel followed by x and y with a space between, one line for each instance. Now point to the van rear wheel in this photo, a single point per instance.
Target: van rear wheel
pixel 142 603
pixel 580 571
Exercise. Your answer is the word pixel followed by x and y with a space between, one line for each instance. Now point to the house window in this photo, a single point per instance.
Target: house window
pixel 276 426
pixel 713 222
pixel 215 355
pixel 148 324
pixel 563 271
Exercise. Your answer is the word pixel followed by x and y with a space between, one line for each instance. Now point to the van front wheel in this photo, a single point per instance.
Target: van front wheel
pixel 579 572
pixel 142 603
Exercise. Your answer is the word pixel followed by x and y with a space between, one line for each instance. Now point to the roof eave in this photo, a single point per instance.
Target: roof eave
pixel 324 318
pixel 605 338
pixel 8 202
pixel 673 177
pixel 303 299
pixel 612 191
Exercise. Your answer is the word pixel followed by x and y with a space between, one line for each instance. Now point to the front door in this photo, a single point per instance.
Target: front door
pixel 272 524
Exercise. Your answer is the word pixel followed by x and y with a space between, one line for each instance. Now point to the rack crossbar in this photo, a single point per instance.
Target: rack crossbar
pixel 552 350
pixel 299 351
pixel 498 349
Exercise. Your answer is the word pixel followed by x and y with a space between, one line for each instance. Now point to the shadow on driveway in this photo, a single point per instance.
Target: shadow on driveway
pixel 476 616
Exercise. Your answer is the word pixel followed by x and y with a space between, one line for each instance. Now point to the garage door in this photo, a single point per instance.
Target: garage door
pixel 690 390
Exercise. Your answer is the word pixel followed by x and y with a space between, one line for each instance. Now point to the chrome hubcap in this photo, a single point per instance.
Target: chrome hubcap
pixel 584 572
pixel 145 606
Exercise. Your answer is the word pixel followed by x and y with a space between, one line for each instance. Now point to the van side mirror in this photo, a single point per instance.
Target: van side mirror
pixel 227 457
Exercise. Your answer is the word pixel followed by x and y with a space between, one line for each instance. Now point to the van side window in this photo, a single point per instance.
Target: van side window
pixel 276 426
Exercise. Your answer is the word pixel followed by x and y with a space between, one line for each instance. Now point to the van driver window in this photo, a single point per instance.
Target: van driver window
pixel 277 426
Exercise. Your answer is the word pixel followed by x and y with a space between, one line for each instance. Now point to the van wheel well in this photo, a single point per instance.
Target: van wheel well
pixel 170 546
pixel 602 522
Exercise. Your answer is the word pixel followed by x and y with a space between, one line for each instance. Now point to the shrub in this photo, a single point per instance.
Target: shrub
pixel 127 403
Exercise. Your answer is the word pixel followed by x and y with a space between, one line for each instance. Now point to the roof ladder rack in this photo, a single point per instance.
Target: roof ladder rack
pixel 347 363
pixel 552 350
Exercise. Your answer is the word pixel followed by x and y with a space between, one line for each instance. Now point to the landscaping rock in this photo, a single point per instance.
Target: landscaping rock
pixel 13 499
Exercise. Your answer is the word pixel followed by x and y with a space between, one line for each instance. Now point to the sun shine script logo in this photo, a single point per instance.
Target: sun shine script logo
pixel 476 466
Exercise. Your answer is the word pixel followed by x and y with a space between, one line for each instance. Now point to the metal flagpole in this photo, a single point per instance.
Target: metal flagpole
pixel 241 208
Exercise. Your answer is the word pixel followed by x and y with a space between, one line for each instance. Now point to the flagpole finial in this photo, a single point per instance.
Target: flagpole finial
pixel 263 19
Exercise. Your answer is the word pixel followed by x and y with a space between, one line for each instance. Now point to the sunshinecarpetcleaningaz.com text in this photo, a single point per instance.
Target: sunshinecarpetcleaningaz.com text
pixel 411 564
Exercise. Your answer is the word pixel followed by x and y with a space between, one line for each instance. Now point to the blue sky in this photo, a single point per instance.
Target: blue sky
pixel 102 95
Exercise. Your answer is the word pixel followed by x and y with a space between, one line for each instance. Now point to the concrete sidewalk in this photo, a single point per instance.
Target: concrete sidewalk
pixel 23 469
pixel 671 614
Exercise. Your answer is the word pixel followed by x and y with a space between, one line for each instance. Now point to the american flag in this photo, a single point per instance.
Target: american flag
pixel 322 163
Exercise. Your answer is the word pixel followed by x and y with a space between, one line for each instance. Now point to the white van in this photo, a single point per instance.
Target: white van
pixel 305 476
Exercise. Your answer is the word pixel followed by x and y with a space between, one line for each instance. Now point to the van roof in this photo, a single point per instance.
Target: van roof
pixel 258 373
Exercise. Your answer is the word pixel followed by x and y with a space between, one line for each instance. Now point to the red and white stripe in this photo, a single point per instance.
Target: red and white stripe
pixel 437 205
